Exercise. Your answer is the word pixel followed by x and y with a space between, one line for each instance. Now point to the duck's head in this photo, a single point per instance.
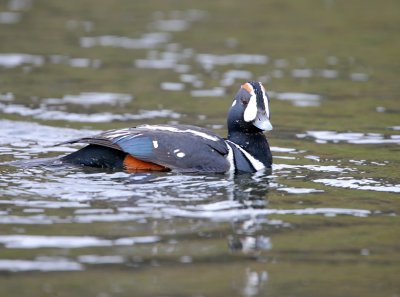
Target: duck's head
pixel 250 110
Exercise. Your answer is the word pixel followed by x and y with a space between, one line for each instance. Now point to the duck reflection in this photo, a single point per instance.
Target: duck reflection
pixel 251 189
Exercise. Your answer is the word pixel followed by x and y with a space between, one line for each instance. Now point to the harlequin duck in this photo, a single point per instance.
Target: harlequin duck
pixel 186 148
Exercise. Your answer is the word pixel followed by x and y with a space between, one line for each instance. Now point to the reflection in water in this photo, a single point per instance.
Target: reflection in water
pixel 251 189
pixel 15 60
pixel 302 73
pixel 47 112
pixel 209 61
pixel 359 76
pixel 91 98
pixel 255 282
pixel 37 241
pixel 350 137
pixel 172 86
pixel 148 40
pixel 215 92
pixel 360 184
pixel 8 17
pixel 298 99
pixel 40 264
pixel 249 244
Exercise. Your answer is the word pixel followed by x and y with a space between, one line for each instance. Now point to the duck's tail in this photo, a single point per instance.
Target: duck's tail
pixel 54 161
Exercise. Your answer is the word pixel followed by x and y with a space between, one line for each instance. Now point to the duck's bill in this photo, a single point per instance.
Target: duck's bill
pixel 262 122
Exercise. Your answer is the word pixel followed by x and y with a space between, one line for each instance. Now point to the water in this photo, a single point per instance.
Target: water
pixel 324 222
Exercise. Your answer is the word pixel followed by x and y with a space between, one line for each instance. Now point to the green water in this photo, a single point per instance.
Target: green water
pixel 324 223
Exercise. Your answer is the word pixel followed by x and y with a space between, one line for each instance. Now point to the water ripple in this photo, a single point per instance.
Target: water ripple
pixel 38 241
pixel 46 113
pixel 350 137
pixel 146 41
pixel 48 264
pixel 359 184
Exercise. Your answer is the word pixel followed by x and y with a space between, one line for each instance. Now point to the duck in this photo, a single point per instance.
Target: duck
pixel 186 148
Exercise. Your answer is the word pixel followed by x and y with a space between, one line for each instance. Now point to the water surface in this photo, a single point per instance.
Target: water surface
pixel 324 222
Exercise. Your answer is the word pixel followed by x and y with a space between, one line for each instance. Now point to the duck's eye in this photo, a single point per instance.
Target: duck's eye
pixel 245 100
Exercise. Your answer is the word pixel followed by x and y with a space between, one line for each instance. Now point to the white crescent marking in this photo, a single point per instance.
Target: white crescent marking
pixel 250 112
pixel 231 160
pixel 253 161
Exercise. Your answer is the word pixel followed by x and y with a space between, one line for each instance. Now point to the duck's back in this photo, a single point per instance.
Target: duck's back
pixel 181 148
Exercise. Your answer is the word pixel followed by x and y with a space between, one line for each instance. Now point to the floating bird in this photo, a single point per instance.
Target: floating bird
pixel 186 148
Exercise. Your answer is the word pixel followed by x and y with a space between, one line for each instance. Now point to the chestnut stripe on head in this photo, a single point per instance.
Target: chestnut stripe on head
pixel 248 87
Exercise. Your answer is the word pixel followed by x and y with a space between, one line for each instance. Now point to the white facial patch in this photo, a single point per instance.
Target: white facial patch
pixel 250 112
pixel 257 165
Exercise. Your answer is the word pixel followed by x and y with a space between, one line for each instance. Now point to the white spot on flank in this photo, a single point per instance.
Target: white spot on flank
pixel 176 130
pixel 179 154
pixel 155 143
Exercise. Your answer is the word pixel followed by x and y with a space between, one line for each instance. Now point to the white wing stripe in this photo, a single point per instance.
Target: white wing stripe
pixel 176 130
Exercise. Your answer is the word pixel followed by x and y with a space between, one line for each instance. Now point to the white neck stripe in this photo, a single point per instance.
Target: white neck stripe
pixel 231 160
pixel 257 165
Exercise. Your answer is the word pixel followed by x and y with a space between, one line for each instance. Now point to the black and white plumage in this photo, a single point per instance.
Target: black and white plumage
pixel 186 148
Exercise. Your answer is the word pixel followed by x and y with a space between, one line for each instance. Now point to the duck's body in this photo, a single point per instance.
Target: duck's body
pixel 187 148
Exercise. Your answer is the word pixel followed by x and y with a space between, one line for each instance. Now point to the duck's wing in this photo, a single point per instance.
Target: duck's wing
pixel 178 147
pixel 98 139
